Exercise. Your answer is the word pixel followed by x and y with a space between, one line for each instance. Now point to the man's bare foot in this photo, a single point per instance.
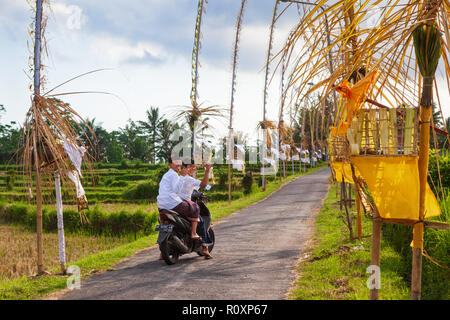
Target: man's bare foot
pixel 206 253
pixel 195 236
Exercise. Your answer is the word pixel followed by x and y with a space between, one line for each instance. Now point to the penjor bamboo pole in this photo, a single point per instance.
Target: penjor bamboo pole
pixel 59 213
pixel 266 80
pixel 37 85
pixel 424 143
pixel 233 85
pixel 418 229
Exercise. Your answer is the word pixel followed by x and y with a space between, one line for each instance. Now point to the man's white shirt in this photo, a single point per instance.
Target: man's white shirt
pixel 169 190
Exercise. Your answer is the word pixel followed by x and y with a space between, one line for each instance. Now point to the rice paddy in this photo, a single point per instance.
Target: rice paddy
pixel 18 255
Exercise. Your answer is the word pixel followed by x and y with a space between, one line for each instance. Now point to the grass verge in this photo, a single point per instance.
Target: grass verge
pixel 335 267
pixel 35 288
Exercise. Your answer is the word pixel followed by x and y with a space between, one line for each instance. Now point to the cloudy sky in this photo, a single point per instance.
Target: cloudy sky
pixel 148 46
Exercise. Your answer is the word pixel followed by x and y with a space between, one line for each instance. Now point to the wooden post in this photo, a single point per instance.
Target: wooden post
pixel 347 213
pixel 350 194
pixel 337 189
pixel 375 251
pixel 229 182
pixel 59 213
pixel 37 85
pixel 292 161
pixel 358 214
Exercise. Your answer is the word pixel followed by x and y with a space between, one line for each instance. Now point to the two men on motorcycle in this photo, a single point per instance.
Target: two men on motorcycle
pixel 175 194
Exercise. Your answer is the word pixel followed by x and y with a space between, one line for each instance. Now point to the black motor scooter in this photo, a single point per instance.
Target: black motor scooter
pixel 174 237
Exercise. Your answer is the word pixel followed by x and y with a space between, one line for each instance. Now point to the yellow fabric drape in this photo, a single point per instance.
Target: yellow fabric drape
pixel 355 97
pixel 394 185
pixel 344 170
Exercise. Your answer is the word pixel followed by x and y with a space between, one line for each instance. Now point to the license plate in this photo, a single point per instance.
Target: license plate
pixel 164 228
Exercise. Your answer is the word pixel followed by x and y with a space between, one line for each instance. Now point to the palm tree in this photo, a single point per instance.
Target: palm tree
pixel 165 145
pixel 151 126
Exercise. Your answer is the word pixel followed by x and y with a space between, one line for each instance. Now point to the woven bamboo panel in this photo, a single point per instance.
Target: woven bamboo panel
pixel 339 149
pixel 384 132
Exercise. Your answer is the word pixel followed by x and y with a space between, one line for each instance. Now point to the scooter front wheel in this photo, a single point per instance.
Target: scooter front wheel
pixel 168 250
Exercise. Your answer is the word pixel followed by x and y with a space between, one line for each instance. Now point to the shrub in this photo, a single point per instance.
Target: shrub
pixel 10 180
pixel 134 177
pixel 138 164
pixel 436 245
pixel 119 183
pixel 123 164
pixel 444 168
pixel 99 222
pixel 247 182
pixel 223 176
pixel 146 190
pixel 160 173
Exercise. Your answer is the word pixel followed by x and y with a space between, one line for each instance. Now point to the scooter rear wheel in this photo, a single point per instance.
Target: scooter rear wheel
pixel 168 250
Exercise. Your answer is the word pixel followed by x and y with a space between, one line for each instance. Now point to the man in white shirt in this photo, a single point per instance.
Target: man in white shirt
pixel 168 197
pixel 188 185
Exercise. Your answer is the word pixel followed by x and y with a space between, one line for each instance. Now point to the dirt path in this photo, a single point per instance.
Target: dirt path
pixel 254 256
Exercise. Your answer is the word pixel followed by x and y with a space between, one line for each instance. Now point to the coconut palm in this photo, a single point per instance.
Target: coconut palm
pixel 150 126
pixel 165 145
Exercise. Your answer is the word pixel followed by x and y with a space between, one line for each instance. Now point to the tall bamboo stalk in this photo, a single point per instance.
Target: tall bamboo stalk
pixel 37 88
pixel 428 51
pixel 195 66
pixel 233 88
pixel 266 81
pixel 59 212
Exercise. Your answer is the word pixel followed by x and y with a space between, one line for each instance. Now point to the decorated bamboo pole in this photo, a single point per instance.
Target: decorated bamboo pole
pixel 195 67
pixel 37 86
pixel 427 44
pixel 59 213
pixel 233 87
pixel 266 81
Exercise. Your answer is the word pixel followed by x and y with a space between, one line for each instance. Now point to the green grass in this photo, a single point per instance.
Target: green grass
pixel 35 288
pixel 335 268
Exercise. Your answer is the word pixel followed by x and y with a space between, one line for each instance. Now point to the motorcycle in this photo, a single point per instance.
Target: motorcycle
pixel 174 237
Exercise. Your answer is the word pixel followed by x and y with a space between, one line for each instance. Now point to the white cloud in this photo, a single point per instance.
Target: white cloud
pixel 69 17
pixel 116 50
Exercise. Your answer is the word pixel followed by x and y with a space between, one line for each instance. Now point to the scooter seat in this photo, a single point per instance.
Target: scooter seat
pixel 168 211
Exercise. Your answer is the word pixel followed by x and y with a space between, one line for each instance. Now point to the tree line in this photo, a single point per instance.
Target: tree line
pixel 147 140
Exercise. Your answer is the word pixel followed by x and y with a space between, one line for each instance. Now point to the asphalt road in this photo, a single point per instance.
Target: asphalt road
pixel 255 254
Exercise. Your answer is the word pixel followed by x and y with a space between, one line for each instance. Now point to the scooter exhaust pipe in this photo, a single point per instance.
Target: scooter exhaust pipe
pixel 180 245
